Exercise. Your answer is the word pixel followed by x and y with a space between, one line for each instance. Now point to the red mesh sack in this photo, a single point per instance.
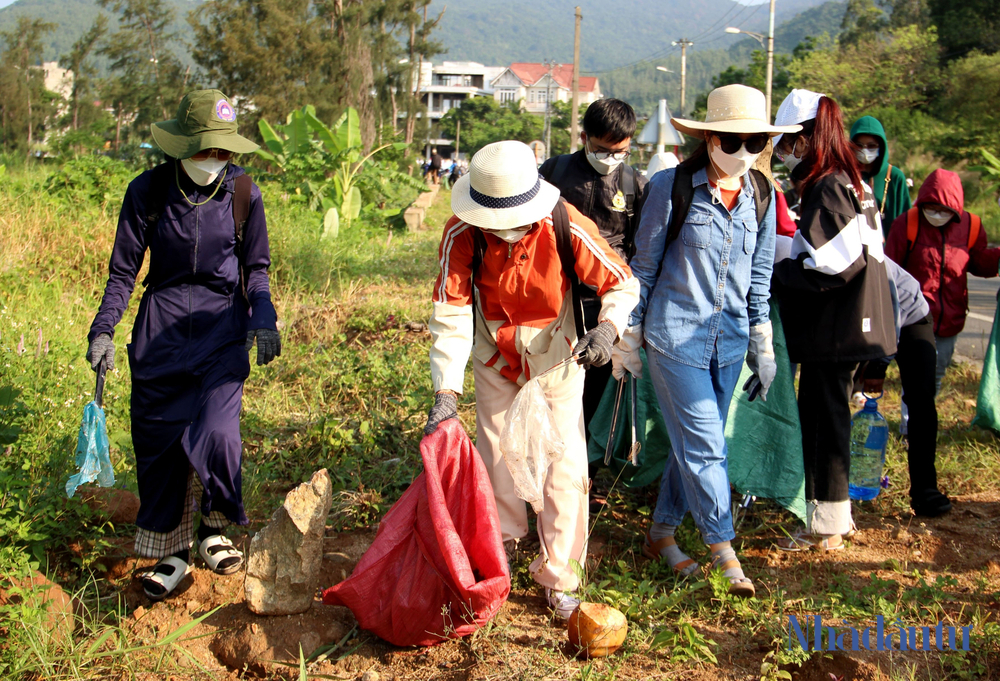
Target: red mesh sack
pixel 437 568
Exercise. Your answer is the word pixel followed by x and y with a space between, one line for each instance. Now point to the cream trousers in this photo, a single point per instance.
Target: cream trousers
pixel 562 525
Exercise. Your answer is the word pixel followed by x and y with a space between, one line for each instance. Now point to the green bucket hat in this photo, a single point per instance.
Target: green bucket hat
pixel 205 119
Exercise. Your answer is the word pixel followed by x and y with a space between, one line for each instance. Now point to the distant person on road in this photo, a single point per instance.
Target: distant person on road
pixel 205 300
pixel 835 303
pixel 598 182
pixel 434 169
pixel 888 183
pixel 502 296
pixel 940 244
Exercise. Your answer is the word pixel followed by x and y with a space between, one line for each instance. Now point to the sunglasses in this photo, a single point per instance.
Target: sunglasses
pixel 731 144
pixel 206 154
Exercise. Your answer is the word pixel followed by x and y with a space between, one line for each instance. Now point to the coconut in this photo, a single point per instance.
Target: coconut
pixel 597 630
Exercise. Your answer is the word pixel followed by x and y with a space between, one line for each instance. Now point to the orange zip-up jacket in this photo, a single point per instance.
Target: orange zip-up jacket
pixel 524 304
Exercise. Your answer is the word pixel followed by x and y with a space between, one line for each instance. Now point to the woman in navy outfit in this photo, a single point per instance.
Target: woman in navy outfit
pixel 205 300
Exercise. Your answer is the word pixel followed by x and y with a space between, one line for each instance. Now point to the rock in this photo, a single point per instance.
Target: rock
pixel 283 563
pixel 899 534
pixel 38 592
pixel 371 676
pixel 248 641
pixel 117 505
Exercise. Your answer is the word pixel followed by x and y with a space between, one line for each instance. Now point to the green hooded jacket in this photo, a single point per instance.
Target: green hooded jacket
pixel 893 200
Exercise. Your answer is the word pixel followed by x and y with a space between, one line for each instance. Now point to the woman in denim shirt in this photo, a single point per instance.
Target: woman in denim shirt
pixel 704 299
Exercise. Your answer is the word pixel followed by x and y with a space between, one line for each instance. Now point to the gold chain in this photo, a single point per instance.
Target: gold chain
pixel 177 177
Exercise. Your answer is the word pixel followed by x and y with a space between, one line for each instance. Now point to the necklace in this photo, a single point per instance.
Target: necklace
pixel 177 177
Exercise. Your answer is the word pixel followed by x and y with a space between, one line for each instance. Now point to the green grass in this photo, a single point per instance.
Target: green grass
pixel 350 393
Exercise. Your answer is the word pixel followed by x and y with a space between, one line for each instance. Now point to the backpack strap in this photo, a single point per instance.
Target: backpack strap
pixel 628 188
pixel 564 246
pixel 478 250
pixel 975 224
pixel 680 202
pixel 562 163
pixel 241 210
pixel 162 176
pixel 761 194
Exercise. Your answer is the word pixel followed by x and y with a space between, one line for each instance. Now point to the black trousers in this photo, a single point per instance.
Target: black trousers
pixel 916 357
pixel 825 415
pixel 596 380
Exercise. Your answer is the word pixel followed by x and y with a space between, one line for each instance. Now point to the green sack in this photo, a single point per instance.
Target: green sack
pixel 651 432
pixel 988 403
pixel 765 438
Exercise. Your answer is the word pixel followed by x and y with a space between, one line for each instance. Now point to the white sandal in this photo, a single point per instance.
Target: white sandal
pixel 217 552
pixel 166 580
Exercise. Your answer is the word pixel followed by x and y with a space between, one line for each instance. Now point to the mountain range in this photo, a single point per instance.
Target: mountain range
pixel 621 42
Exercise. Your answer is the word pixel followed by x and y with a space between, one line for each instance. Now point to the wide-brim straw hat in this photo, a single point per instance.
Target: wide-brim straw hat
pixel 503 189
pixel 734 109
pixel 205 119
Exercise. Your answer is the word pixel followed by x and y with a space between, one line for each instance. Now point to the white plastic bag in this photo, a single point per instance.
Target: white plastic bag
pixel 530 443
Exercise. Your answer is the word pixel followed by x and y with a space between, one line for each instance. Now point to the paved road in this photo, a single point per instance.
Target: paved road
pixel 975 337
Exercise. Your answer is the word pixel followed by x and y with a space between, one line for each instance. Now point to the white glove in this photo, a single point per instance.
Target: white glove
pixel 625 354
pixel 760 359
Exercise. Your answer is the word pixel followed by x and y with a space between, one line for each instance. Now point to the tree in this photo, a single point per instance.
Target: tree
pixel 150 79
pixel 863 21
pixel 24 48
pixel 485 121
pixel 967 25
pixel 79 61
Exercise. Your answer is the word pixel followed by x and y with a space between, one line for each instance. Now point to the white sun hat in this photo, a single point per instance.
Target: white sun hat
pixel 733 109
pixel 503 189
pixel 798 107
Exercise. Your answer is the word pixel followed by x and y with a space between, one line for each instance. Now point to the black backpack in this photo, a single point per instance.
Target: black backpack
pixel 628 188
pixel 156 201
pixel 564 246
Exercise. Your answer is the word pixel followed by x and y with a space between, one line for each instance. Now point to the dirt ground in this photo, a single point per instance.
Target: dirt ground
pixel 523 642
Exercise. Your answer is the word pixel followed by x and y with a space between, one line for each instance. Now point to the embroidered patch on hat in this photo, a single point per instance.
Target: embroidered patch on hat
pixel 225 111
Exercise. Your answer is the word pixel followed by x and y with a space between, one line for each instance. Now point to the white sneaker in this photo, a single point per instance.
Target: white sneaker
pixel 562 603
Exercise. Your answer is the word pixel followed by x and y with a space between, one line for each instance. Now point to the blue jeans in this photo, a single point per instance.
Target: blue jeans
pixel 945 350
pixel 695 404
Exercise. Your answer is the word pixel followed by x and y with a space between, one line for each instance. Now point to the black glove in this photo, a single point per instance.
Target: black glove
pixel 268 344
pixel 100 348
pixel 445 407
pixel 595 347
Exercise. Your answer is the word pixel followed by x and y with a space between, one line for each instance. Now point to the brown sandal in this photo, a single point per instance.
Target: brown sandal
pixel 651 549
pixel 741 587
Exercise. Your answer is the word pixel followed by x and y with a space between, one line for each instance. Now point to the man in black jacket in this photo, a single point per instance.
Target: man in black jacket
pixel 601 185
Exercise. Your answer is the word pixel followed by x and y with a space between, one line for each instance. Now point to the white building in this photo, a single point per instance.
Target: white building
pixel 535 84
pixel 58 79
pixel 445 86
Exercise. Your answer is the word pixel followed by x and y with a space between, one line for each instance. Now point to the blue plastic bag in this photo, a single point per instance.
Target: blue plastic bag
pixel 92 454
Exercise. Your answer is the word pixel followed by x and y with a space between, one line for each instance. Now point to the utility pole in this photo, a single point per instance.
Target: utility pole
pixel 548 108
pixel 574 114
pixel 684 43
pixel 770 59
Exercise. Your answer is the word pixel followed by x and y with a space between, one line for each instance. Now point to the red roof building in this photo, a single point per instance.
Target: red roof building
pixel 534 85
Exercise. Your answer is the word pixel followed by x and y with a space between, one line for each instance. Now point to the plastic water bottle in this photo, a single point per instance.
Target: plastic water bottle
pixel 869 436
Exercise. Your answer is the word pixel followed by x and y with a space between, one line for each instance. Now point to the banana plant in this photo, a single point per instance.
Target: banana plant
pixel 989 170
pixel 324 162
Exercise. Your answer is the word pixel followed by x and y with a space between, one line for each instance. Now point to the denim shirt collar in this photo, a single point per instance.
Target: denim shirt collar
pixel 700 177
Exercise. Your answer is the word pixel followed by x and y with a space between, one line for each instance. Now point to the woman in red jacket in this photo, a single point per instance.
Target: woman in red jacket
pixel 940 244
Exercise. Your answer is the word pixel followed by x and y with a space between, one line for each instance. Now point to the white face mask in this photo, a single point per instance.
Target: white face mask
pixel 731 165
pixel 605 166
pixel 203 172
pixel 511 236
pixel 867 156
pixel 938 218
pixel 791 160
